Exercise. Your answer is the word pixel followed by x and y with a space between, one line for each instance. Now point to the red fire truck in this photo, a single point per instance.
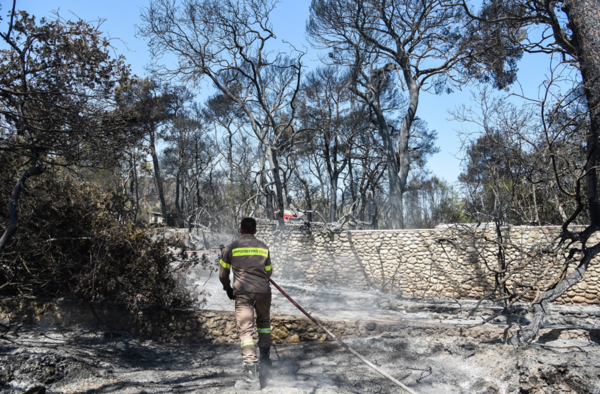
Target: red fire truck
pixel 289 216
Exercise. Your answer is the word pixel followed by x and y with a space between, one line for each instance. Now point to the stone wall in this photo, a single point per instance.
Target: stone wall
pixel 161 324
pixel 437 262
pixel 218 327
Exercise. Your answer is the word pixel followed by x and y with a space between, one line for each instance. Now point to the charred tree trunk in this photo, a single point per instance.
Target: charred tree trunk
pixel 395 185
pixel 352 186
pixel 373 212
pixel 403 152
pixel 528 333
pixel 13 223
pixel 157 177
pixel 273 161
pixel 230 159
pixel 397 159
pixel 135 192
pixel 177 207
pixel 584 21
pixel 304 182
pixel 333 198
pixel 264 185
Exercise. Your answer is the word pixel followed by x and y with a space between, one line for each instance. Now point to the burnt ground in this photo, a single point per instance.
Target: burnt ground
pixel 333 302
pixel 566 359
pixel 94 362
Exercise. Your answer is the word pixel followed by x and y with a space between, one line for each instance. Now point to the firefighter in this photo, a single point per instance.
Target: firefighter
pixel 250 262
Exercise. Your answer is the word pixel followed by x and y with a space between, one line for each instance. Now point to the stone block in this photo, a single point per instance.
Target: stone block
pixel 281 333
pixel 293 339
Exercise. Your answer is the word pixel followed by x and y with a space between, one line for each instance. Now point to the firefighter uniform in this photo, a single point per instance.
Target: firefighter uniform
pixel 250 262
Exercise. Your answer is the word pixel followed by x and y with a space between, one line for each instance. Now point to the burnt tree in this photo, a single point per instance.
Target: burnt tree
pixel 57 85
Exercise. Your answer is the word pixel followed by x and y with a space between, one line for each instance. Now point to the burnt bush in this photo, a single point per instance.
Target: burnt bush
pixel 74 240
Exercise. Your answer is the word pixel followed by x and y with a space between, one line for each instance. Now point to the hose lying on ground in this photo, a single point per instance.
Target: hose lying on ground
pixel 364 360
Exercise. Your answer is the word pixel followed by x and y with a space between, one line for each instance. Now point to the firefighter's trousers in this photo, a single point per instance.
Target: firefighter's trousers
pixel 245 304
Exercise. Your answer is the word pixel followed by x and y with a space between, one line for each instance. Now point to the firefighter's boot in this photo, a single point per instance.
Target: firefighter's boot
pixel 250 380
pixel 265 360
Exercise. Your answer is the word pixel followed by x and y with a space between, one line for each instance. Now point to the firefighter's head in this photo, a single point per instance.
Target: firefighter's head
pixel 248 226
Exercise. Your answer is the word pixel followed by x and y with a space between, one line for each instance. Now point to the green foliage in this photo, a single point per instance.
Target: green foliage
pixel 433 201
pixel 70 243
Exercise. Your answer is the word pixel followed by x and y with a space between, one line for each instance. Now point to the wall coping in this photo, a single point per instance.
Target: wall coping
pixel 448 227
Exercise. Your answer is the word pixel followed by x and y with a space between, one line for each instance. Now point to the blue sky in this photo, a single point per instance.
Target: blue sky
pixel 289 21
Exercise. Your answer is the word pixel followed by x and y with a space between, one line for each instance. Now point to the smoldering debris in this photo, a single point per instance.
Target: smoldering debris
pixel 86 362
pixel 333 302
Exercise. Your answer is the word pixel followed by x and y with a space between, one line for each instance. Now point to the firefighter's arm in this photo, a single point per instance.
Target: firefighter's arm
pixel 269 265
pixel 225 269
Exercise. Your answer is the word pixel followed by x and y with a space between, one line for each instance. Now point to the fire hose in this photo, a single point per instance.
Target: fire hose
pixel 344 345
pixel 329 333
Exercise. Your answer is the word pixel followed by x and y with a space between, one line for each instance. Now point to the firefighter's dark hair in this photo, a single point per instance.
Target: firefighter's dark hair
pixel 248 225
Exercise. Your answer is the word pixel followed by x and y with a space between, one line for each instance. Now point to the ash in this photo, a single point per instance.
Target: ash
pixel 76 361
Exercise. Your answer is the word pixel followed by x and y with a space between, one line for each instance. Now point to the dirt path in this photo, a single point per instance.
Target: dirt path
pixel 92 362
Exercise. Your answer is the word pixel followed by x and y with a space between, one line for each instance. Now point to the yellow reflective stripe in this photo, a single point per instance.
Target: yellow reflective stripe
pixel 248 342
pixel 225 265
pixel 264 330
pixel 269 267
pixel 250 252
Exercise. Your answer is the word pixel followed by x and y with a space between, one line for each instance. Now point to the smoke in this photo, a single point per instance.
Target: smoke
pixel 326 302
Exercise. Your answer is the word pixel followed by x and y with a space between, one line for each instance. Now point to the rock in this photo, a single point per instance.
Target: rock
pixel 293 339
pixel 371 326
pixel 483 387
pixel 579 299
pixel 211 324
pixel 36 390
pixel 534 234
pixel 281 334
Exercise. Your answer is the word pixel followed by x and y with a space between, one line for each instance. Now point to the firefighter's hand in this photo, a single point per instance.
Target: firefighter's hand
pixel 230 294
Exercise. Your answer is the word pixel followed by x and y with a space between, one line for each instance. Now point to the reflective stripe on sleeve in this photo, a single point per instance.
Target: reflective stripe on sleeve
pixel 264 330
pixel 269 267
pixel 250 252
pixel 248 342
pixel 225 265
